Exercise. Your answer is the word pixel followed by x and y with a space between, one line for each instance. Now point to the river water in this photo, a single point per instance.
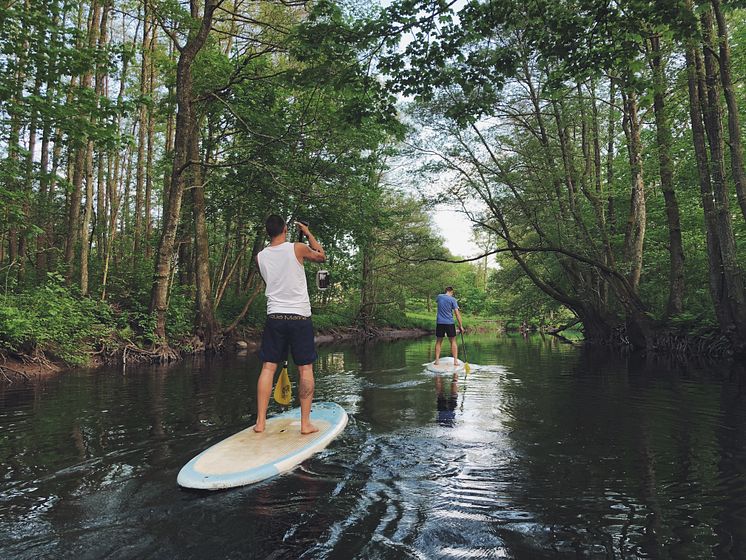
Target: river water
pixel 546 451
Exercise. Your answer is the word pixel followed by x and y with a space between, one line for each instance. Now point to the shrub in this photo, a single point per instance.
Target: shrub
pixel 54 320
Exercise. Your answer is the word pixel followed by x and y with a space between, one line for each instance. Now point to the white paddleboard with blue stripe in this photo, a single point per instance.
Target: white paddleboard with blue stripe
pixel 248 457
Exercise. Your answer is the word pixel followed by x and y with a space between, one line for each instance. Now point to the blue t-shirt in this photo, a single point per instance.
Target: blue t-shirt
pixel 446 305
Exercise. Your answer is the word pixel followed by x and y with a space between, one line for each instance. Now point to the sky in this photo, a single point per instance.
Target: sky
pixel 453 226
pixel 457 232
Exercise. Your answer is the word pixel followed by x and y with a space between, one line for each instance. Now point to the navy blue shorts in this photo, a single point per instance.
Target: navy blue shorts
pixel 290 331
pixel 442 329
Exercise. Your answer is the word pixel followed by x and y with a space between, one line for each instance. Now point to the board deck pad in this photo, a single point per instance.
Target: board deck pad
pixel 248 457
pixel 445 365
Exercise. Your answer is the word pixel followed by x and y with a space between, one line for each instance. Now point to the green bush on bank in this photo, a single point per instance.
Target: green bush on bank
pixel 415 320
pixel 52 320
pixel 331 317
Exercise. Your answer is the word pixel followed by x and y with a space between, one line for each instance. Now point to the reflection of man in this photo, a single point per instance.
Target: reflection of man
pixel 447 405
pixel 447 306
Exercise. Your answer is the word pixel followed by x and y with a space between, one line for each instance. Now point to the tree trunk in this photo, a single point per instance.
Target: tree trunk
pixel 734 125
pixel 634 236
pixel 102 38
pixel 16 109
pixel 52 85
pixel 260 236
pixel 675 303
pixel 251 277
pixel 597 327
pixel 141 136
pixel 130 161
pixel 185 119
pixel 83 146
pixel 84 233
pixel 610 212
pixel 169 141
pixel 366 289
pixel 732 275
pixel 151 143
pixel 41 206
pixel 207 327
pixel 29 176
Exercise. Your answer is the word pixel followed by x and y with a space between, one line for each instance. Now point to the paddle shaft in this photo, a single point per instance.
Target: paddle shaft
pixel 463 345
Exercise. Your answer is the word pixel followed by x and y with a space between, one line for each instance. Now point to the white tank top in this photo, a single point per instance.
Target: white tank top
pixel 286 291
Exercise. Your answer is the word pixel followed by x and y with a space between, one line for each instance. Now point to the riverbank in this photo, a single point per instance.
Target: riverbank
pixel 16 367
pixel 253 340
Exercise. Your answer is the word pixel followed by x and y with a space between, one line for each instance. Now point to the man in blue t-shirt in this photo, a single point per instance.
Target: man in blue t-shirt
pixel 447 305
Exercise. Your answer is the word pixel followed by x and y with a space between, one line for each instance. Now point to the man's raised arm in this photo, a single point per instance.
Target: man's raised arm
pixel 313 251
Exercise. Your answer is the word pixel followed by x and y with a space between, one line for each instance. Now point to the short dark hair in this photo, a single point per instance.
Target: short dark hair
pixel 274 224
pixel 449 288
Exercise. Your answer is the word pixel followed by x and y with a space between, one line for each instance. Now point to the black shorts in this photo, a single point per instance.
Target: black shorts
pixel 291 331
pixel 441 330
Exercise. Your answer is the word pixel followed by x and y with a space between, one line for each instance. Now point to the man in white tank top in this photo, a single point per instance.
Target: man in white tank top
pixel 288 316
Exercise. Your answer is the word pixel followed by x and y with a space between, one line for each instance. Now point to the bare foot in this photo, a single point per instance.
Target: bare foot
pixel 310 429
pixel 436 362
pixel 259 428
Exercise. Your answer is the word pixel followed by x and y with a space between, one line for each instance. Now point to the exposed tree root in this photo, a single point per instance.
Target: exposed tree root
pixel 557 330
pixel 10 374
pixel 31 365
pixel 165 354
pixel 132 353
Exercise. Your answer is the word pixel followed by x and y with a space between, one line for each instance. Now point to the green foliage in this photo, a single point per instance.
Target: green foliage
pixel 180 318
pixel 298 116
pixel 51 319
pixel 415 320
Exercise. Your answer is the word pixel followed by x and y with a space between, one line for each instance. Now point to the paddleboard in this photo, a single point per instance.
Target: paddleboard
pixel 248 457
pixel 445 365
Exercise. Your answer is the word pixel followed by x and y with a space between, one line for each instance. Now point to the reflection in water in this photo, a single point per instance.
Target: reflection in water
pixel 446 405
pixel 547 451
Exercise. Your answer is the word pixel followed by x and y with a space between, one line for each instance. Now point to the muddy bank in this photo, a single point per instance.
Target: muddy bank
pixel 252 343
pixel 17 368
pixel 20 367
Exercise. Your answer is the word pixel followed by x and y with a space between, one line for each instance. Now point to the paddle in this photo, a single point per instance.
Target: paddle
pixel 283 391
pixel 467 367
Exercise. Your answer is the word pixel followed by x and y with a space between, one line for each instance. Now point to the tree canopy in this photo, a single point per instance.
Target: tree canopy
pixel 595 148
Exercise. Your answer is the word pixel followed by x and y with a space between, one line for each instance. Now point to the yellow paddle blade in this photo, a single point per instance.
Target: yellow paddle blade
pixel 467 368
pixel 283 391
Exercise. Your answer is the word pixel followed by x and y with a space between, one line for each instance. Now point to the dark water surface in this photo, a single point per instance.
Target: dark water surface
pixel 547 452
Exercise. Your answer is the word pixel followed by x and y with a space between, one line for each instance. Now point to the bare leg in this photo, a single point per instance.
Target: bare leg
pixel 263 390
pixel 305 392
pixel 438 343
pixel 454 351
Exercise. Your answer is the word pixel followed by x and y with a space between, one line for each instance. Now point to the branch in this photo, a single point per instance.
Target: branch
pixel 166 30
pixel 515 248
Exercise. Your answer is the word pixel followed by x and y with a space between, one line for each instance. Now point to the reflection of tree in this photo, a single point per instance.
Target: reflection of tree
pixel 731 465
pixel 158 405
pixel 631 445
pixel 386 398
pixel 647 455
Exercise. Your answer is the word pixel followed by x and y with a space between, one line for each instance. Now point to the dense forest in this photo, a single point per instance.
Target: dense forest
pixel 602 145
pixel 595 147
pixel 143 145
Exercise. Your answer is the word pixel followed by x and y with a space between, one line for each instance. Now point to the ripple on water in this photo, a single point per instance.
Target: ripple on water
pixel 541 453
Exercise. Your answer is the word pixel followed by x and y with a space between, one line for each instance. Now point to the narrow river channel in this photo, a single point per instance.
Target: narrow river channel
pixel 545 451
